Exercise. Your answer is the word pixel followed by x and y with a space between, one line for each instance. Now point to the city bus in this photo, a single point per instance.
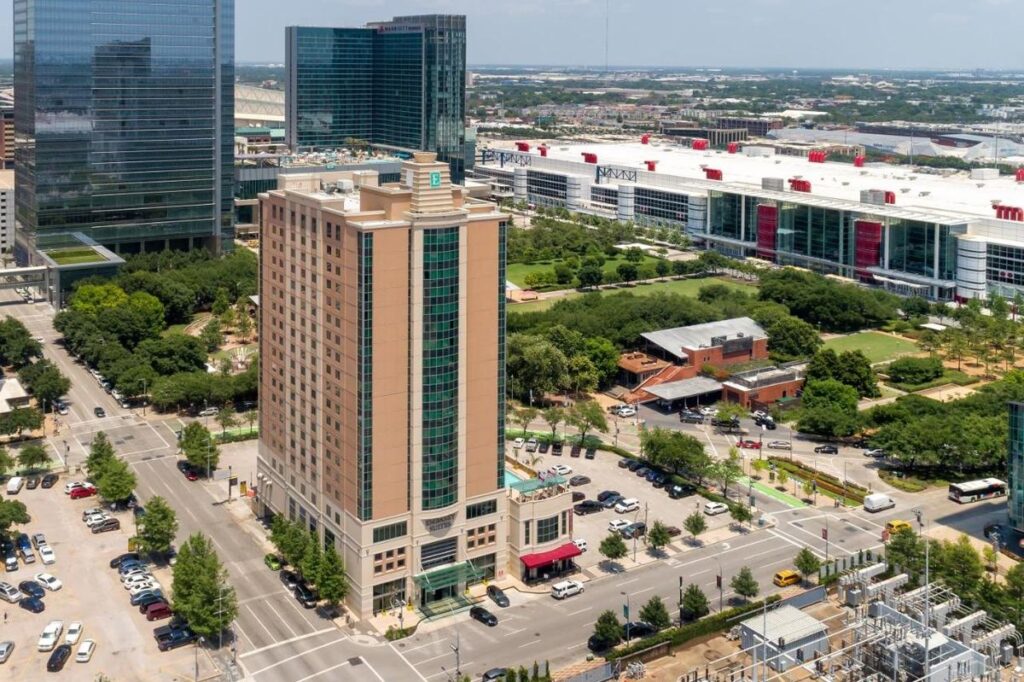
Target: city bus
pixel 972 491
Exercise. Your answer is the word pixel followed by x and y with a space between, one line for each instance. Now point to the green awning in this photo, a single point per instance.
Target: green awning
pixel 531 484
pixel 448 576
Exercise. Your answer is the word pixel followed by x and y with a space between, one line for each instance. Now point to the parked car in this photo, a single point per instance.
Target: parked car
pixel 590 453
pixel 543 447
pixel 289 578
pixel 531 445
pixel 639 630
pixel 875 452
pixel 169 637
pixel 673 531
pixel 139 598
pixel 579 480
pixel 48 581
pixel 10 593
pixel 634 464
pixel 494 675
pixel 96 517
pixel 577 496
pixel 691 417
pixel 121 558
pixel 158 611
pixel 71 485
pixel 51 634
pixel 38 539
pixel 106 526
pixel 32 605
pixel 148 600
pixel 273 562
pixel 47 555
pixel 610 502
pixel 659 480
pixel 32 482
pixel 581 544
pixel 497 595
pixel 74 633
pixel 49 480
pixel 575 451
pixel 587 507
pixel 518 443
pixel 483 615
pixel 305 595
pixel 634 530
pixel 642 471
pixel 79 493
pixel 715 508
pixel 749 444
pixel 99 412
pixel 624 463
pixel 556 449
pixel 58 658
pixel 598 644
pixel 6 649
pixel 627 411
pixel 679 491
pixel 31 588
pixel 826 450
pixel 630 504
pixel 561 470
pixel 85 651
pixel 616 525
pixel 779 444
pixel 605 494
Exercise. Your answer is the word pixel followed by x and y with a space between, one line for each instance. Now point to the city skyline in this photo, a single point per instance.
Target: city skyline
pixel 938 34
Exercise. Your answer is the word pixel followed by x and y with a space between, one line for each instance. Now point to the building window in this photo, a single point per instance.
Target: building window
pixel 365 377
pixel 385 533
pixel 502 315
pixel 485 565
pixel 439 553
pixel 482 536
pixel 547 529
pixel 481 509
pixel 390 560
pixel 440 377
pixel 526 533
pixel 389 595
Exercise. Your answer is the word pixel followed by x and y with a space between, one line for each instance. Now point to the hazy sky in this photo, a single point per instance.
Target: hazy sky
pixel 797 33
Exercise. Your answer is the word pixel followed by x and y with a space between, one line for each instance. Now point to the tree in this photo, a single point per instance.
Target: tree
pixel 12 512
pixel 587 415
pixel 851 368
pixel 226 418
pixel 535 366
pixel 655 614
pixel 741 513
pixel 332 583
pixel 523 416
pixel 634 255
pixel 312 559
pixel 914 370
pixel 807 562
pixel 553 416
pixel 220 302
pixel 613 547
pixel 200 592
pixel 44 381
pixel 290 538
pixel 782 477
pixel 590 276
pixel 790 338
pixel 1015 586
pixel 199 448
pixel 608 629
pixel 97 298
pixel 159 526
pixel 829 409
pixel 960 565
pixel 20 419
pixel 244 326
pixel 627 271
pixel 744 584
pixel 117 481
pixel 657 536
pixel 728 470
pixel 905 550
pixel 695 524
pixel 251 417
pixel 101 453
pixel 583 375
pixel 33 457
pixel 662 267
pixel 6 461
pixel 211 335
pixel 695 603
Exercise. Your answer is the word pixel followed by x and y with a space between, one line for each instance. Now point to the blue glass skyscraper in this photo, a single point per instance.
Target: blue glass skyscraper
pixel 124 123
pixel 398 84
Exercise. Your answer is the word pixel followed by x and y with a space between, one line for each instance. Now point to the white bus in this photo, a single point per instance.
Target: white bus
pixel 972 491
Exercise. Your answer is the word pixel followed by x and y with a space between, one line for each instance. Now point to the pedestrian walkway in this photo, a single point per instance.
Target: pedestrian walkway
pixel 771 492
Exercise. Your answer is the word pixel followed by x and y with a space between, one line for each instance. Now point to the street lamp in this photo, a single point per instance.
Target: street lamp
pixel 626 614
pixel 718 581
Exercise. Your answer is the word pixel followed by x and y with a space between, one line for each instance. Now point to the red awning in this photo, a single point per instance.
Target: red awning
pixel 566 551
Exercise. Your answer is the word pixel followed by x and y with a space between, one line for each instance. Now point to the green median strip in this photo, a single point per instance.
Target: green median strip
pixel 771 492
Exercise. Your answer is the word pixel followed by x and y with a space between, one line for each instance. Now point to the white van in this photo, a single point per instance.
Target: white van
pixel 566 588
pixel 877 502
pixel 14 485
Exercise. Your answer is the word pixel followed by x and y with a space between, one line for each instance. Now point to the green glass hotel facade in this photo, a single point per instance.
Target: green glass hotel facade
pixel 124 122
pixel 396 84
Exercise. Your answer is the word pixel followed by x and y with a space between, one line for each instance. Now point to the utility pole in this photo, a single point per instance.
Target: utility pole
pixel 927 592
pixel 626 614
pixel 718 582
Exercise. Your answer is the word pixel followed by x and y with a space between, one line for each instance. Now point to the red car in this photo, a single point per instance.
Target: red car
pixel 87 491
pixel 750 444
pixel 192 475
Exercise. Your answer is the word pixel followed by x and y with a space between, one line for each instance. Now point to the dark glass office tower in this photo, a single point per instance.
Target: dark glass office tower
pixel 398 84
pixel 124 120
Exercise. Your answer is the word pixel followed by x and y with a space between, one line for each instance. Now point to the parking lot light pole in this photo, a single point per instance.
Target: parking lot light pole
pixel 626 614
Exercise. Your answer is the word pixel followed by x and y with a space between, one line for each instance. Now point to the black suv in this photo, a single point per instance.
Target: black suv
pixel 305 595
pixel 497 595
pixel 587 507
pixel 483 615
pixel 691 417
pixel 173 636
pixel 827 450
pixel 679 491
pixel 58 658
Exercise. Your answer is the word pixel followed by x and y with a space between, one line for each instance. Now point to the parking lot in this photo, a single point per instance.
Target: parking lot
pixel 91 594
pixel 655 504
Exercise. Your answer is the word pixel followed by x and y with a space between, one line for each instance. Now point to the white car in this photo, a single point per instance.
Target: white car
pixel 74 633
pixel 143 586
pixel 93 519
pixel 51 634
pixel 47 554
pixel 137 579
pixel 85 651
pixel 778 444
pixel 874 452
pixel 91 511
pixel 48 581
pixel 581 544
pixel 709 411
pixel 615 525
pixel 713 508
pixel 518 443
pixel 71 485
pixel 627 411
pixel 561 470
pixel 135 572
pixel 630 504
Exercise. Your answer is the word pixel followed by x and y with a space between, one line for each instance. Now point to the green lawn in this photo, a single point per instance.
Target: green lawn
pixel 517 272
pixel 175 329
pixel 877 346
pixel 74 256
pixel 684 287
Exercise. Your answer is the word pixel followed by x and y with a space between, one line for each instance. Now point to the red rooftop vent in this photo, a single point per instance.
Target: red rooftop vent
pixel 589 157
pixel 817 156
pixel 700 145
pixel 733 147
pixel 1020 175
pixel 645 138
pixel 799 185
pixel 712 174
pixel 858 161
pixel 651 165
pixel 543 149
pixel 523 146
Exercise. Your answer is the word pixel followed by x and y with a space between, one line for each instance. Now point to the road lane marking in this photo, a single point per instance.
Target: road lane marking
pixel 298 655
pixel 411 666
pixel 258 620
pixel 627 582
pixel 327 670
pixel 421 646
pixel 575 613
pixel 646 589
pixel 289 641
pixel 516 632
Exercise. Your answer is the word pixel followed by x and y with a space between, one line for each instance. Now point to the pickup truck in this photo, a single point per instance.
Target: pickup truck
pixel 171 637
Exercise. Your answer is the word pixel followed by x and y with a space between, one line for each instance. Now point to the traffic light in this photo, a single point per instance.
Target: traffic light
pixel 718 581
